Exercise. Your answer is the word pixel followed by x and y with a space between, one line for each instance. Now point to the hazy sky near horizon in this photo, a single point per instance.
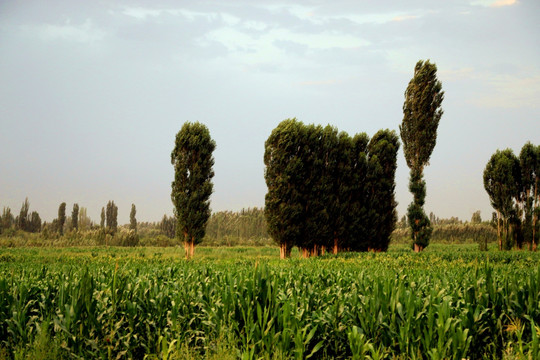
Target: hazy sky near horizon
pixel 92 93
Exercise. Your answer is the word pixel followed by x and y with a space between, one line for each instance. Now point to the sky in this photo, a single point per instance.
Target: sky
pixel 92 93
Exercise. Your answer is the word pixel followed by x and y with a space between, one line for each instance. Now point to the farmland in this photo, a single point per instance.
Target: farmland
pixel 449 302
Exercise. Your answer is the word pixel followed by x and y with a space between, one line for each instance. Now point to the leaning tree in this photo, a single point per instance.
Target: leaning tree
pixel 421 115
pixel 192 186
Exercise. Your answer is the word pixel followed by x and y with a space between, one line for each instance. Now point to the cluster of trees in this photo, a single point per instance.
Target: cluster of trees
pixel 25 221
pixel 329 191
pixel 512 185
pixel 236 227
pixel 79 221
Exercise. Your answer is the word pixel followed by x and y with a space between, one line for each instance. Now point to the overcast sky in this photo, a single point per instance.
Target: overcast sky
pixel 92 93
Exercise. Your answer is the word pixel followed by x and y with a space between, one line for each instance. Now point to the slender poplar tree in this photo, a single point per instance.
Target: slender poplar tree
pixel 421 115
pixel 75 217
pixel 61 218
pixel 382 164
pixel 284 176
pixel 192 186
pixel 102 222
pixel 132 218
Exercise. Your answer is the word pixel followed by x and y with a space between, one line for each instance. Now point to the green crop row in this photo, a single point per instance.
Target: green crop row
pixel 378 306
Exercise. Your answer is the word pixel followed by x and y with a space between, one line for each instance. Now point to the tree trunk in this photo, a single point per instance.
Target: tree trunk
pixel 418 248
pixel 284 252
pixel 186 248
pixel 192 248
pixel 499 239
pixel 305 253
pixel 335 246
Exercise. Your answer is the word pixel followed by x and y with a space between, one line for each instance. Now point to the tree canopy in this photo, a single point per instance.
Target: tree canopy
pixel 193 163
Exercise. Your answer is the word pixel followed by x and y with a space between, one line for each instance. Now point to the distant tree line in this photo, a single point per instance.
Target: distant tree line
pixel 512 185
pixel 328 191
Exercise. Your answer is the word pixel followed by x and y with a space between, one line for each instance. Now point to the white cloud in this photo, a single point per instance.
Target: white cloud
pixel 495 3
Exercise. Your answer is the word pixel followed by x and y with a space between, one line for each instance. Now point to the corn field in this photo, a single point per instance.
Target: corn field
pixel 97 305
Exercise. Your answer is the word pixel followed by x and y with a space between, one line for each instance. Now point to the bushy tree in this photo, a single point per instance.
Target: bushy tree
pixel 192 186
pixel 476 218
pixel 75 217
pixel 132 218
pixel 61 218
pixel 167 226
pixel 112 217
pixel 7 220
pixel 501 179
pixel 23 220
pixel 421 115
pixel 35 222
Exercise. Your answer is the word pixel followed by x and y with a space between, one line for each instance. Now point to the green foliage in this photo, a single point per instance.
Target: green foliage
pixel 247 226
pixel 22 221
pixel 61 218
pixel 132 218
pixel 512 185
pixel 382 152
pixel 167 226
pixel 421 115
pixel 116 303
pixel 102 222
pixel 75 217
pixel 328 191
pixel 193 163
pixel 112 217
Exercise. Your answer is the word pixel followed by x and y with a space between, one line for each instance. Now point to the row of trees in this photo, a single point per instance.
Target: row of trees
pixel 79 220
pixel 512 185
pixel 327 190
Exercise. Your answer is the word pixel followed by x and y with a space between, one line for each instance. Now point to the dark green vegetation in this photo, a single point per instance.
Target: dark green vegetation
pixel 421 115
pixel 512 186
pixel 448 302
pixel 193 163
pixel 328 191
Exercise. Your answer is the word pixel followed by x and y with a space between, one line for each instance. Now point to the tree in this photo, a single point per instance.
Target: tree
pixel 193 163
pixel 75 217
pixel 283 176
pixel 132 219
pixel 102 222
pixel 112 217
pixel 23 220
pixel 382 153
pixel 7 219
pixel 35 222
pixel 476 218
pixel 167 226
pixel 528 159
pixel 85 222
pixel 421 115
pixel 501 184
pixel 61 218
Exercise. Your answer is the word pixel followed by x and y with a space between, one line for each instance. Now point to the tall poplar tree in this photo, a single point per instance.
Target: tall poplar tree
pixel 192 186
pixel 382 164
pixel 132 219
pixel 61 218
pixel 421 115
pixel 112 217
pixel 102 222
pixel 75 217
pixel 284 176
